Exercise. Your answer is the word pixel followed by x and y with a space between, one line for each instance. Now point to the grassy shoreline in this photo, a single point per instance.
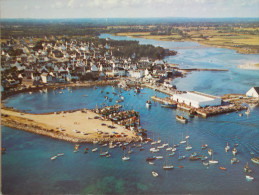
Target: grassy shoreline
pixel 222 42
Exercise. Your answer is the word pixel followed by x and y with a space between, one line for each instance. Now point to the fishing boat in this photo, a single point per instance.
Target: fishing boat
pixel 203 158
pixel 151 163
pixel 227 148
pixel 249 178
pixel 181 119
pixel 53 157
pixel 111 146
pixel 223 168
pixel 125 158
pixel 247 169
pixel 169 105
pixel 148 104
pixel 255 160
pixel 76 148
pixel 171 154
pixel 107 155
pixel 234 160
pixel 234 151
pixel 153 141
pixel 210 152
pixel 94 150
pixel 205 163
pixel 155 174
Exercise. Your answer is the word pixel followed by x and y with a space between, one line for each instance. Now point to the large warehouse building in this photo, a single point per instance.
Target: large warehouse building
pixel 196 99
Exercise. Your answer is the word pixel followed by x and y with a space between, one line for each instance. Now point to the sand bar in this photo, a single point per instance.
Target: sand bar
pixel 74 126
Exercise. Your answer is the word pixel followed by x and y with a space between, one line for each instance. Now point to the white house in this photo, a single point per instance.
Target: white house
pixel 197 99
pixel 135 74
pixel 253 92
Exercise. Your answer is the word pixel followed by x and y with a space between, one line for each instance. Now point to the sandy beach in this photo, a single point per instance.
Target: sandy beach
pixel 74 126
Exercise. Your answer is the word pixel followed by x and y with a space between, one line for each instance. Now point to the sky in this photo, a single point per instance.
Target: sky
pixel 128 8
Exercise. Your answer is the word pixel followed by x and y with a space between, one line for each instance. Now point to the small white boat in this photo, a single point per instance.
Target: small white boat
pixel 171 154
pixel 249 178
pixel 234 160
pixel 155 174
pixel 234 151
pixel 210 152
pixel 227 148
pixel 95 142
pixel 213 162
pixel 187 148
pixel 168 167
pixel 151 163
pixel 205 163
pixel 94 150
pixel 181 119
pixel 53 157
pixel 159 157
pixel 153 143
pixel 160 147
pixel 169 149
pixel 173 149
pixel 125 158
pixel 60 154
pixel 155 150
pixel 183 142
pixel 255 160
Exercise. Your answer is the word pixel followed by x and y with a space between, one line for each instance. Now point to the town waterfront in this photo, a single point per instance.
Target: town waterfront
pixel 27 168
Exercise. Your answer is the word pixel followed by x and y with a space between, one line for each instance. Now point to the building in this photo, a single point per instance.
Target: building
pixel 253 92
pixel 196 99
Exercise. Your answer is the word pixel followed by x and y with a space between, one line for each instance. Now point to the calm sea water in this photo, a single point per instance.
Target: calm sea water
pixel 27 168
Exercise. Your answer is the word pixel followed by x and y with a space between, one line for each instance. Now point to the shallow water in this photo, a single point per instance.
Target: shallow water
pixel 27 167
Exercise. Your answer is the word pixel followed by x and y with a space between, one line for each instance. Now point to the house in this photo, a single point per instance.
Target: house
pixel 253 92
pixel 46 78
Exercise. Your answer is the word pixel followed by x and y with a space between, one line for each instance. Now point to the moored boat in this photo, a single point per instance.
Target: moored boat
pixel 255 160
pixel 204 146
pixel 227 148
pixel 148 104
pixel 151 158
pixel 169 105
pixel 234 160
pixel 181 119
pixel 53 157
pixel 155 174
pixel 234 151
pixel 223 168
pixel 94 150
pixel 247 169
pixel 249 178
pixel 210 152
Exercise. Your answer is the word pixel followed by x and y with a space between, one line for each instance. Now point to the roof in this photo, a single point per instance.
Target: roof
pixel 196 96
pixel 256 89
